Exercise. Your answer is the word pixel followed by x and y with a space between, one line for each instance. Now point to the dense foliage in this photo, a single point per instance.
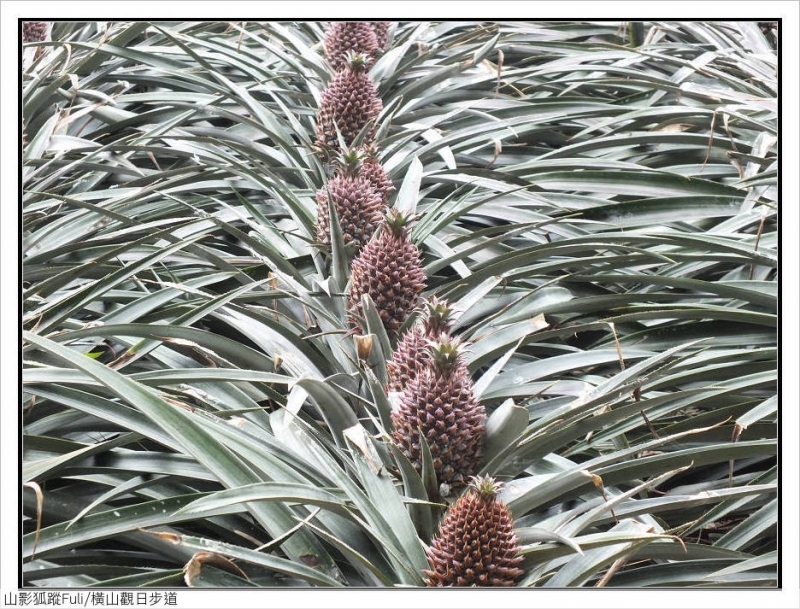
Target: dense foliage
pixel 597 201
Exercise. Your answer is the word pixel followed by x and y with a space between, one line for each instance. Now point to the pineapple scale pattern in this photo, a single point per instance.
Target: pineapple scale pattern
pixel 439 406
pixel 476 544
pixel 412 355
pixel 389 270
pixel 345 37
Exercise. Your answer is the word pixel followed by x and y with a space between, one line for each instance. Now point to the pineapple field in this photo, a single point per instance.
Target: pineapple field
pixel 399 304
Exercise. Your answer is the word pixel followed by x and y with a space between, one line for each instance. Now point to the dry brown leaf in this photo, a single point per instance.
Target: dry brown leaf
pixel 34 486
pixel 193 568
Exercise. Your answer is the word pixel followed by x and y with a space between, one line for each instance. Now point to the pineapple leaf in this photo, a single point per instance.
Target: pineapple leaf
pixel 395 522
pixel 421 514
pixel 375 325
pixel 266 491
pixel 338 414
pixel 267 561
pixel 428 472
pixel 503 427
pixel 340 269
pixel 592 560
pixel 379 397
pixel 406 202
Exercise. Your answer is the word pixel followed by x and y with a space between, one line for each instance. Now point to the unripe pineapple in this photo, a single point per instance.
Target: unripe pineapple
pixel 413 353
pixel 439 404
pixel 389 269
pixel 381 29
pixel 349 102
pixel 363 162
pixel 34 31
pixel 476 544
pixel 343 37
pixel 373 171
pixel 358 205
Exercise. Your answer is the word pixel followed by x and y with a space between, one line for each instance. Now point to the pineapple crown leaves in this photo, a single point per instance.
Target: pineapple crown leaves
pixel 349 159
pixel 486 486
pixel 353 156
pixel 446 351
pixel 358 62
pixel 437 315
pixel 397 221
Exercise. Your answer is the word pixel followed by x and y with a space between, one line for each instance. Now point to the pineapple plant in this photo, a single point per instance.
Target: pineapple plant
pixel 348 104
pixel 412 354
pixel 388 269
pixel 440 406
pixel 358 206
pixel 476 544
pixel 345 37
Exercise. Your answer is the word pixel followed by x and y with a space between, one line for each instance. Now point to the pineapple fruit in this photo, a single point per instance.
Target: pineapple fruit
pixel 362 161
pixel 360 190
pixel 371 169
pixel 343 37
pixel 476 544
pixel 412 354
pixel 358 206
pixel 34 31
pixel 389 269
pixel 439 405
pixel 350 103
pixel 381 29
